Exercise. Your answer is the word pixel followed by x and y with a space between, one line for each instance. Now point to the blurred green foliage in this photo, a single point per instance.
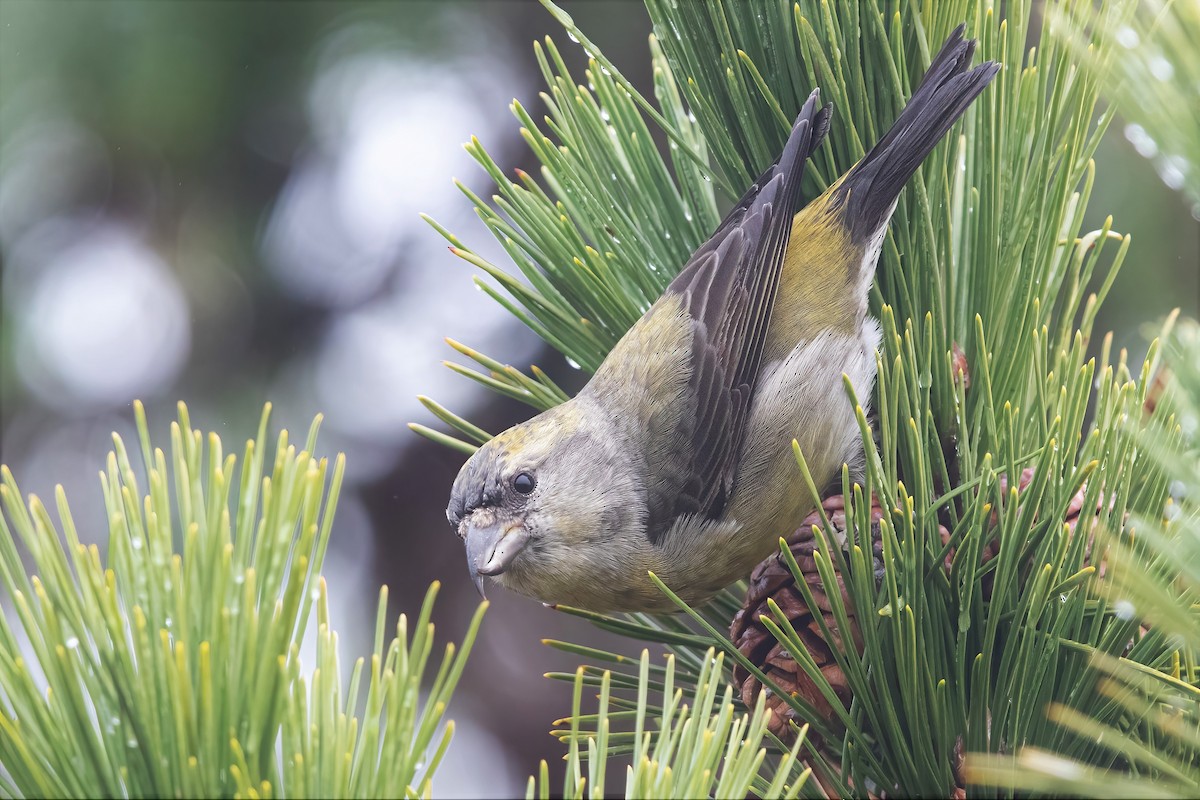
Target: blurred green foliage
pixel 199 112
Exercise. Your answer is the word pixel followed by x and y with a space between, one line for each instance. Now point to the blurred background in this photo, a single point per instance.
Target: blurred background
pixel 217 203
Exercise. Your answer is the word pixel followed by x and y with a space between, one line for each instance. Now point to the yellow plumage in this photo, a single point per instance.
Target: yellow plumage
pixel 816 286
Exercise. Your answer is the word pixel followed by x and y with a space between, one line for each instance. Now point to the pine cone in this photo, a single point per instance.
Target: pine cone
pixel 772 579
pixel 1072 518
pixel 1158 388
pixel 960 369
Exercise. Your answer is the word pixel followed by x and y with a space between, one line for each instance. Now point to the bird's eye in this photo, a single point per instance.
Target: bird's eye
pixel 524 483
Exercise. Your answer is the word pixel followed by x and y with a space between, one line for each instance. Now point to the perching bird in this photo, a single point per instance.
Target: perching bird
pixel 676 457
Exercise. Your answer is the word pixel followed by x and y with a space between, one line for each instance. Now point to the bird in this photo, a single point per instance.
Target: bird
pixel 676 457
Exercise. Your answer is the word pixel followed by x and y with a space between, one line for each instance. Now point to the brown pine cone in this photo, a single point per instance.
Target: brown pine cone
pixel 1072 518
pixel 1158 388
pixel 772 579
pixel 959 368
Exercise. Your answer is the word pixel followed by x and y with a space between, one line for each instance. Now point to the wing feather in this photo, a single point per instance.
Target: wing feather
pixel 728 288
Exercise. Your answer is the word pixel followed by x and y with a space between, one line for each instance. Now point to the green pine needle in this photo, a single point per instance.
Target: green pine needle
pixel 1005 439
pixel 1153 573
pixel 700 745
pixel 170 666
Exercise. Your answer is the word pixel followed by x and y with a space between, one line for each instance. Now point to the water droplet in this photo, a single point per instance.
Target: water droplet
pixel 1141 141
pixel 575 38
pixel 924 379
pixel 691 117
pixel 136 542
pixel 72 643
pixel 131 743
pixel 604 115
pixel 1187 425
pixel 239 578
pixel 706 178
pixel 168 622
pixel 1062 598
pixel 614 176
pixel 1173 170
pixel 687 215
pixel 1124 610
pixel 1127 37
pixel 1161 68
pixel 315 595
pixel 604 69
pixel 667 234
pixel 573 364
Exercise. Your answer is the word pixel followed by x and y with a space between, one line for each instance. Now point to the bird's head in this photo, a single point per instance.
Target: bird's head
pixel 537 505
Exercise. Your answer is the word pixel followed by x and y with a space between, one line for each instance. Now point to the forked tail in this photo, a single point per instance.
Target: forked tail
pixel 870 188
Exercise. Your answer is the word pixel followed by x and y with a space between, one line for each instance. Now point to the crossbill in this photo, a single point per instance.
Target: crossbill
pixel 676 457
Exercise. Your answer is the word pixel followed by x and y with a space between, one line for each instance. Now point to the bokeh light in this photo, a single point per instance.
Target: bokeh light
pixel 218 203
pixel 100 318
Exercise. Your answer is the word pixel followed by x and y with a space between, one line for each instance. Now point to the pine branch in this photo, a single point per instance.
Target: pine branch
pixel 1153 575
pixel 999 447
pixel 173 670
pixel 1154 84
pixel 678 745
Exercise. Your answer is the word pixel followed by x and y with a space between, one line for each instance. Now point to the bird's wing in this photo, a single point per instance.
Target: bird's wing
pixel 728 289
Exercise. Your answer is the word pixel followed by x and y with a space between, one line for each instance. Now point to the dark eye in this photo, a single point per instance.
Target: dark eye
pixel 524 483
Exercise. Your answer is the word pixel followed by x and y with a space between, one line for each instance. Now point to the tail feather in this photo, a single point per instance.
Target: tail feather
pixel 871 187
